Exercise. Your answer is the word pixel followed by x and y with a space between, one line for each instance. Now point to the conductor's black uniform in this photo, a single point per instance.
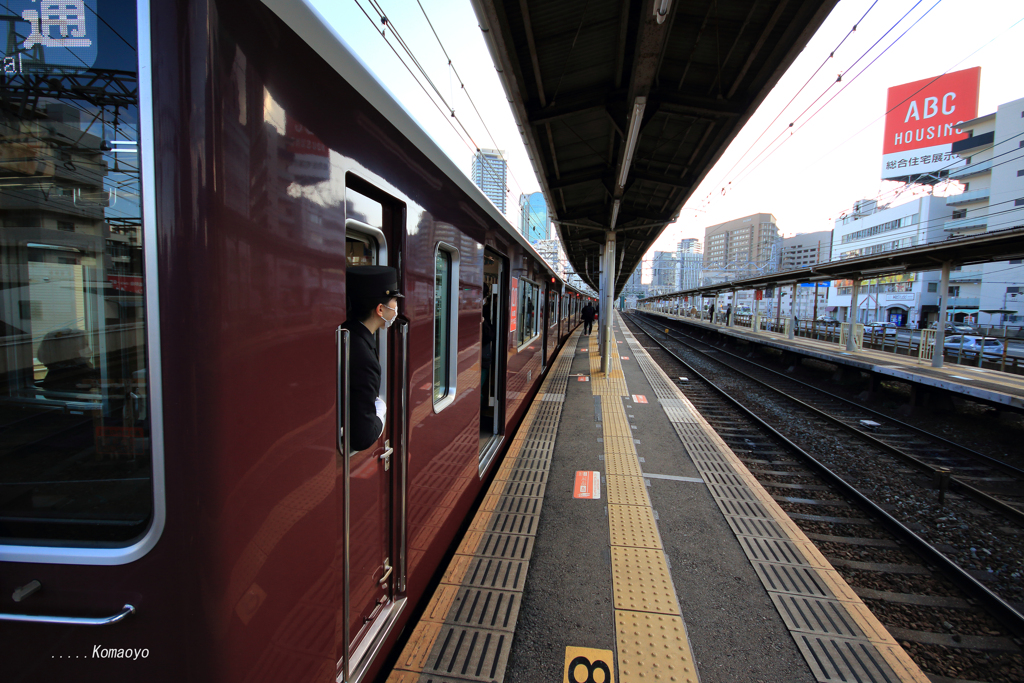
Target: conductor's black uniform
pixel 363 382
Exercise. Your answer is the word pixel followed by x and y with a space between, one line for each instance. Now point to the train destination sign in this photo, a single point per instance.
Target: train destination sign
pixel 921 123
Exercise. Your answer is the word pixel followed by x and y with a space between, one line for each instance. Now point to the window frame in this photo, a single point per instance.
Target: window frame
pixel 451 381
pixel 118 555
pixel 535 331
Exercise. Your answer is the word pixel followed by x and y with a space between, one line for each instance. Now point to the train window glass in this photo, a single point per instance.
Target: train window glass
pixel 366 245
pixel 527 325
pixel 75 456
pixel 446 309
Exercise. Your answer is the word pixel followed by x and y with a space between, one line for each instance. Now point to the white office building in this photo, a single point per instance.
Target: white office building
pixel 993 199
pixel 903 298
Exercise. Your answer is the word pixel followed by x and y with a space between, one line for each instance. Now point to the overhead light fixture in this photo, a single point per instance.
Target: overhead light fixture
pixel 635 118
pixel 661 10
pixel 615 213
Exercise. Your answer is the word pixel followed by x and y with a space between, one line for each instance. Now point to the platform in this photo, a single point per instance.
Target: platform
pixel 998 388
pixel 679 567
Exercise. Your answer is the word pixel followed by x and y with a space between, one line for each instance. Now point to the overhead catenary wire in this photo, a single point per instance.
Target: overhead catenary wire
pixel 846 84
pixel 472 144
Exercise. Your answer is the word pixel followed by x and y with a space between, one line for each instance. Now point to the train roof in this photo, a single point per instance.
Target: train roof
pixel 310 25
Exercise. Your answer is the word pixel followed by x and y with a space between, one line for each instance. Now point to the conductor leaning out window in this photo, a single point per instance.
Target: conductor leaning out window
pixel 372 304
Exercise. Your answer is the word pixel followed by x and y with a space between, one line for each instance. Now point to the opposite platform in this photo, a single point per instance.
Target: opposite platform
pixel 999 388
pixel 679 568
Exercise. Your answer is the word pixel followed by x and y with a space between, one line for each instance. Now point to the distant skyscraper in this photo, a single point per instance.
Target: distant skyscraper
pixel 533 217
pixel 489 172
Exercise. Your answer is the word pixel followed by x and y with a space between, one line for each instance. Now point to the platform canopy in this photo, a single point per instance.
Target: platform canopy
pixel 625 106
pixel 986 247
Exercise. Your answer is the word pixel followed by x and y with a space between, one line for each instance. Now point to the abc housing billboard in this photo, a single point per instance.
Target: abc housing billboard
pixel 921 123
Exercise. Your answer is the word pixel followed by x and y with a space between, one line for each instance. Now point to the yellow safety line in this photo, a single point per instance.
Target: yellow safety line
pixel 650 636
pixel 413 659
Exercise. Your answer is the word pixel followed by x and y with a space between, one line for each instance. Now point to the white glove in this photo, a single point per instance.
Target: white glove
pixel 380 407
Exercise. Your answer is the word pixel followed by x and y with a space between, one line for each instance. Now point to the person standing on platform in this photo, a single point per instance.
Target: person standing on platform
pixel 372 305
pixel 588 317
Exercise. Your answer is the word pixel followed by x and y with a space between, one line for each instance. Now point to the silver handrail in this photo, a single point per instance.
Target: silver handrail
pixel 125 612
pixel 403 457
pixel 344 348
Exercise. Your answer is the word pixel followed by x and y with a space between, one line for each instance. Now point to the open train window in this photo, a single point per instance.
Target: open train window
pixel 365 245
pixel 77 460
pixel 446 325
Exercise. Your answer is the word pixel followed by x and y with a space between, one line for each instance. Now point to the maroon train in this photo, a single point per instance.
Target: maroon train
pixel 182 185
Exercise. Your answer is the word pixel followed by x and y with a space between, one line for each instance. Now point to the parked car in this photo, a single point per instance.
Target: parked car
pixel 989 346
pixel 881 328
pixel 956 328
pixel 828 322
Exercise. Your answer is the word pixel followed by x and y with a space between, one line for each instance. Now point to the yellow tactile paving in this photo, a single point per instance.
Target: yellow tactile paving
pixel 653 647
pixel 641 581
pixel 627 490
pixel 624 464
pixel 633 526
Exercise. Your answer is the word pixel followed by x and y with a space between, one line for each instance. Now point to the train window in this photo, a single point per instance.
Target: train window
pixel 76 458
pixel 446 323
pixel 528 325
pixel 366 245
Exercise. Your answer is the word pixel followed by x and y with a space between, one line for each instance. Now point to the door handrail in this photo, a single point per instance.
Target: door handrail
pixel 343 342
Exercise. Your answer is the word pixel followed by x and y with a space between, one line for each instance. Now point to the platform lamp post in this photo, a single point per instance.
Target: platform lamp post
pixel 940 333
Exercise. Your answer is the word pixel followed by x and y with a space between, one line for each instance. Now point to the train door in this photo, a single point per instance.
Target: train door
pixel 492 393
pixel 369 565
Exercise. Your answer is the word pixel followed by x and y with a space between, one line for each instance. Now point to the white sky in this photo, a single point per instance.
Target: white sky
pixel 817 172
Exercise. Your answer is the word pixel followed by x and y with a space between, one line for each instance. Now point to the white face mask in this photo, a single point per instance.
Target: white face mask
pixel 388 323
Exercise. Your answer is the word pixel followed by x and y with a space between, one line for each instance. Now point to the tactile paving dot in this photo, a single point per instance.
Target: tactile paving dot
pixel 623 490
pixel 623 465
pixel 641 581
pixel 653 647
pixel 633 526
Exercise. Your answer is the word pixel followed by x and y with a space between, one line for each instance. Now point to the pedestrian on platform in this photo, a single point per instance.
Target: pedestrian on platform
pixel 372 305
pixel 588 314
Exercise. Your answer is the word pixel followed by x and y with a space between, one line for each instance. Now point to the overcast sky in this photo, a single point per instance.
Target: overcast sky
pixel 817 172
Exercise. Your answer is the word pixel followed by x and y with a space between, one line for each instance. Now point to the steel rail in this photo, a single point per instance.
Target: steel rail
pixel 1009 511
pixel 999 608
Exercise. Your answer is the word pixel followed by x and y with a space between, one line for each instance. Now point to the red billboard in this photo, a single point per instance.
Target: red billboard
pixel 921 123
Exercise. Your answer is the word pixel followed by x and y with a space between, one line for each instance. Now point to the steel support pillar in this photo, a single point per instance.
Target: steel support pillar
pixel 607 298
pixel 850 341
pixel 940 333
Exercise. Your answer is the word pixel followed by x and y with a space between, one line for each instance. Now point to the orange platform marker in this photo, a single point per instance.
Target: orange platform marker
pixel 588 485
pixel 637 398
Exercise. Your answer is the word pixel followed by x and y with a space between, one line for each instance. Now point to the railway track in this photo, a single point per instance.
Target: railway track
pixel 956 628
pixel 993 483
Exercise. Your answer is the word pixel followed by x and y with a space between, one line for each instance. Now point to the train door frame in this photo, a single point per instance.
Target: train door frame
pixel 359 649
pixel 500 312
